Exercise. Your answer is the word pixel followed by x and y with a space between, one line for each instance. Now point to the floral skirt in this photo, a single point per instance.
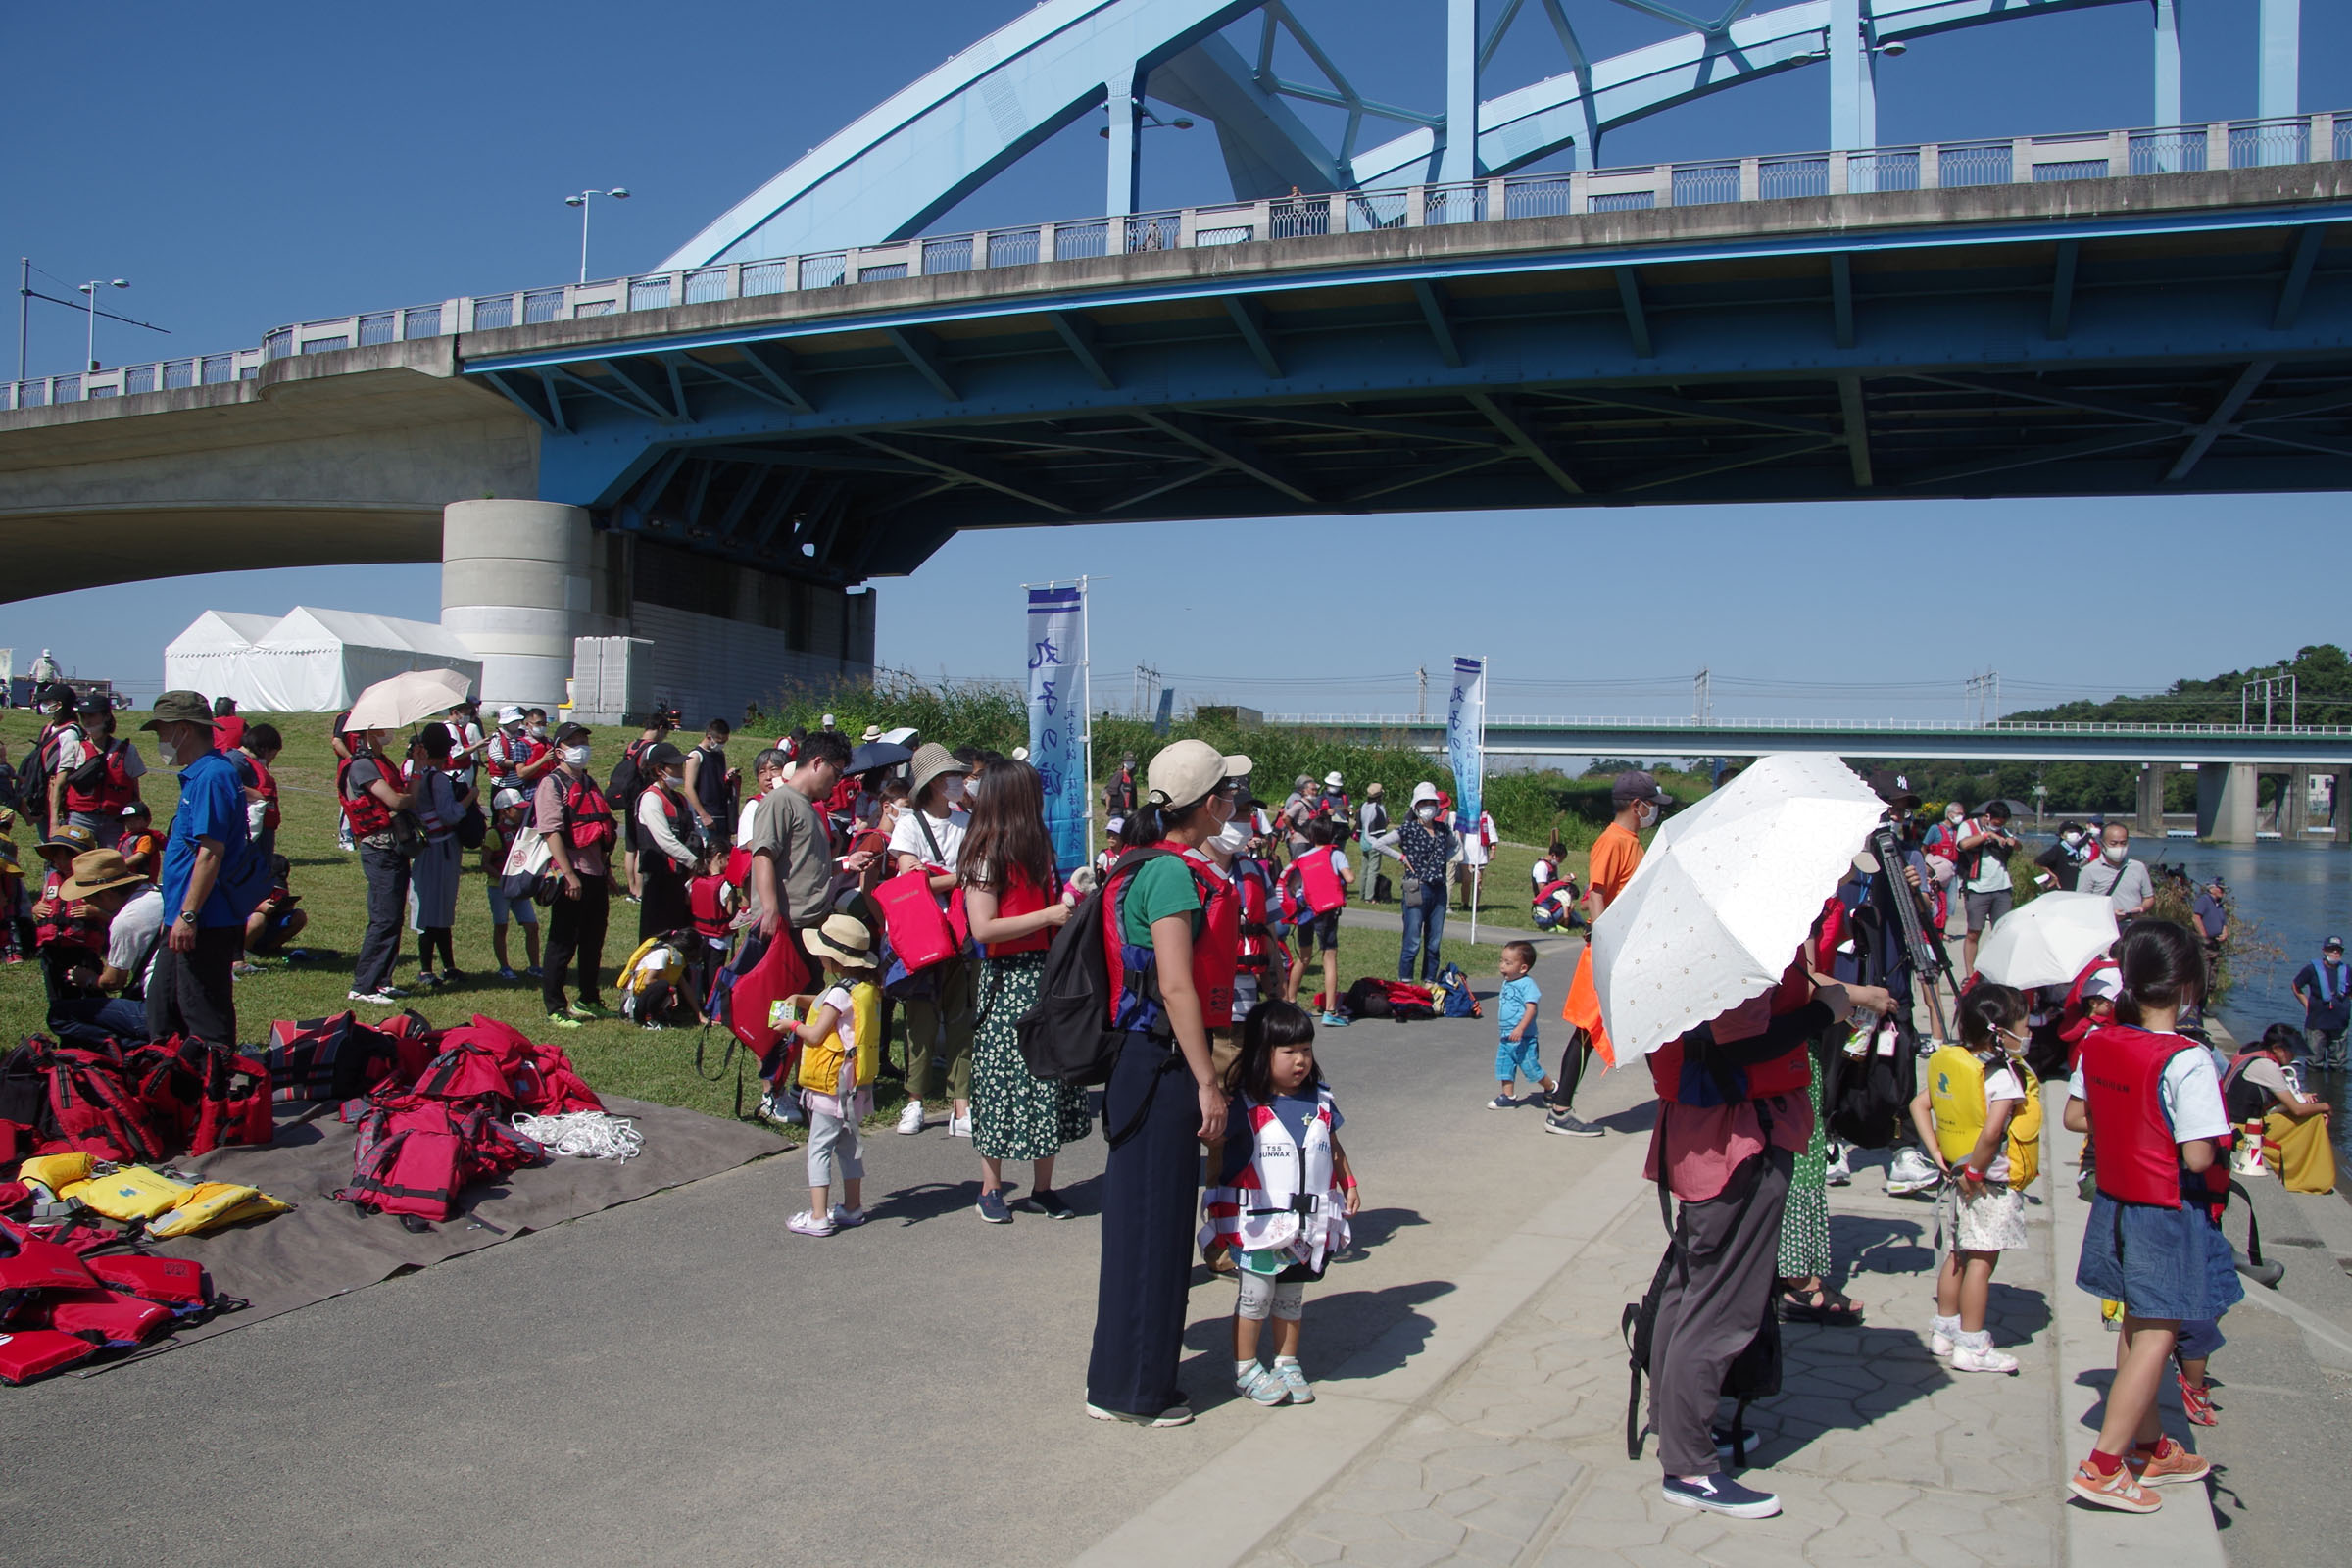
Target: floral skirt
pixel 1017 1115
pixel 1806 1222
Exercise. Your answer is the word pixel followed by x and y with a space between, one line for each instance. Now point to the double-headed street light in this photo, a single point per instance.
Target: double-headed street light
pixel 617 193
pixel 89 350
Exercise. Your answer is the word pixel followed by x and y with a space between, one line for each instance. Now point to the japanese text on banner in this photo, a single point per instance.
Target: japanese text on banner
pixel 1057 717
pixel 1465 737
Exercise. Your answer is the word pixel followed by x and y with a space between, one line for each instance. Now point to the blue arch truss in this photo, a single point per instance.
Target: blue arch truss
pixel 910 158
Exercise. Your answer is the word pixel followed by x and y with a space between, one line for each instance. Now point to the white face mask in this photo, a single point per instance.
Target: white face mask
pixel 1427 813
pixel 1234 837
pixel 2116 853
pixel 955 791
pixel 1650 815
pixel 577 756
pixel 2072 839
pixel 1955 817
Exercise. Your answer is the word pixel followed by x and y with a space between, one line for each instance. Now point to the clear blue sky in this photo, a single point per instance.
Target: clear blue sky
pixel 270 162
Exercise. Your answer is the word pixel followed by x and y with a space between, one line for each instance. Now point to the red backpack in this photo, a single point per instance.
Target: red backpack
pixel 92 1108
pixel 1312 886
pixel 326 1060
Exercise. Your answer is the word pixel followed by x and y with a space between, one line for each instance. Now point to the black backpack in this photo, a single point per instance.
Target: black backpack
pixel 1066 1037
pixel 622 785
pixel 1754 1374
pixel 1867 1099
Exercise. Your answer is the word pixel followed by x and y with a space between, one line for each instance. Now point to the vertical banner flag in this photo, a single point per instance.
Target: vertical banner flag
pixel 1465 738
pixel 1057 717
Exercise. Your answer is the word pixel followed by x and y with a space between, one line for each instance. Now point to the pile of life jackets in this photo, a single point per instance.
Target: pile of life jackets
pixel 61 1305
pixel 439 1122
pixel 130 1103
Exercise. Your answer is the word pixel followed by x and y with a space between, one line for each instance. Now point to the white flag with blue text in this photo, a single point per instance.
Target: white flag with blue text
pixel 1057 717
pixel 1465 737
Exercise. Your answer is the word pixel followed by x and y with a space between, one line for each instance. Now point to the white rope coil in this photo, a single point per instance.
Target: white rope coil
pixel 584 1134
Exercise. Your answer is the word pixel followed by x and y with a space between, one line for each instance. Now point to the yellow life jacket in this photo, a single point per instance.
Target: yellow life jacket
pixel 822 1063
pixel 56 1172
pixel 654 960
pixel 132 1193
pixel 214 1205
pixel 1956 1100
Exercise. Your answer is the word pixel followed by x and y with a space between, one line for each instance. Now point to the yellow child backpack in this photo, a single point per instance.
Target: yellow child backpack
pixel 1956 1100
pixel 822 1063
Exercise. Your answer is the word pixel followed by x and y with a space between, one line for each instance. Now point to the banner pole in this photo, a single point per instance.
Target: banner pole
pixel 1478 872
pixel 1086 688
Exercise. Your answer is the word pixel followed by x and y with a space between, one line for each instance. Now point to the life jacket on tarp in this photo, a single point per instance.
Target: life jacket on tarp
pixel 1956 1100
pixel 1286 1197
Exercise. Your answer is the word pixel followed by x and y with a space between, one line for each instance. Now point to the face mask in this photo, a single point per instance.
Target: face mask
pixel 577 756
pixel 537 732
pixel 954 789
pixel 1650 815
pixel 1427 813
pixel 1234 837
pixel 1955 817
pixel 2116 853
pixel 2072 839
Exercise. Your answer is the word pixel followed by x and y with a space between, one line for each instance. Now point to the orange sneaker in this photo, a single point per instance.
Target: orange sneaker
pixel 2170 1462
pixel 2120 1491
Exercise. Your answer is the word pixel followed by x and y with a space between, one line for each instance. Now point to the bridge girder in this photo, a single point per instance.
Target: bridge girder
pixel 897 168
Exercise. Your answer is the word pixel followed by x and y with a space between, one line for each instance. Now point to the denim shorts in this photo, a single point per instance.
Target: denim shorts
pixel 2159 1262
pixel 523 909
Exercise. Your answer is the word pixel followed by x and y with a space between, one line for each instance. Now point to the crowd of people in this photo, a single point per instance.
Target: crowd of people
pixel 923 884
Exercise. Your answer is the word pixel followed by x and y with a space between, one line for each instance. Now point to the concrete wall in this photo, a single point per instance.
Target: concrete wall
pixel 710 667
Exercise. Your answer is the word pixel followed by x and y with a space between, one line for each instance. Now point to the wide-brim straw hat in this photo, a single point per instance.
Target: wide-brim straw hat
pixel 845 939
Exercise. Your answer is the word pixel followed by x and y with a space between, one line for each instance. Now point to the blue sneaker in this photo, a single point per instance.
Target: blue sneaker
pixel 993 1207
pixel 1720 1494
pixel 1333 1020
pixel 1262 1385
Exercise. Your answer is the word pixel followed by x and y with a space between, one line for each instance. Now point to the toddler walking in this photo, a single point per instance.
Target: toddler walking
pixel 1283 1196
pixel 841 1046
pixel 1980 1118
pixel 1519 1054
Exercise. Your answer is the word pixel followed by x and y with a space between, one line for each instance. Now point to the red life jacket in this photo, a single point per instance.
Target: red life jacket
pixel 1135 1007
pixel 1319 887
pixel 1219 943
pixel 71 920
pixel 269 787
pixel 1023 897
pixel 367 814
pixel 1253 941
pixel 711 915
pixel 1688 1083
pixel 102 783
pixel 2122 1074
pixel 2074 1021
pixel 587 818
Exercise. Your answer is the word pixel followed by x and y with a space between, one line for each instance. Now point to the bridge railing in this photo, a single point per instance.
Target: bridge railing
pixel 1931 166
pixel 1769 726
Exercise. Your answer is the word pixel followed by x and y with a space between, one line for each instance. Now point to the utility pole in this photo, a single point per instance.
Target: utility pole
pixel 1421 702
pixel 1703 701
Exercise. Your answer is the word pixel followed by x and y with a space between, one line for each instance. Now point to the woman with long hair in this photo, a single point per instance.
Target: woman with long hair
pixel 1012 897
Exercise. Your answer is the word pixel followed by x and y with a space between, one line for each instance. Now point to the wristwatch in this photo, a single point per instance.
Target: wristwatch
pixel 186 915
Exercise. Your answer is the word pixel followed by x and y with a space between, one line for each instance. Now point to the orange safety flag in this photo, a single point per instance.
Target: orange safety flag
pixel 1583 1008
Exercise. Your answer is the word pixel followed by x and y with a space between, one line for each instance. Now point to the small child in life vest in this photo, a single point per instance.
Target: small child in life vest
pixel 710 899
pixel 510 898
pixel 1519 1054
pixel 2154 1240
pixel 141 846
pixel 1978 1117
pixel 1283 1193
pixel 841 1046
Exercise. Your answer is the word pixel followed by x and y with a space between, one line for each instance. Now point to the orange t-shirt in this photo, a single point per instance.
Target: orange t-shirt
pixel 1616 855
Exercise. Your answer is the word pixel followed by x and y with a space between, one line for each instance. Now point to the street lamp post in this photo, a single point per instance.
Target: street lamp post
pixel 89 350
pixel 617 193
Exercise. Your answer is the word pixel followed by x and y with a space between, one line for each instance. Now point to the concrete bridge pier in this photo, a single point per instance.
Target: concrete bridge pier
pixel 2152 777
pixel 2225 795
pixel 514 588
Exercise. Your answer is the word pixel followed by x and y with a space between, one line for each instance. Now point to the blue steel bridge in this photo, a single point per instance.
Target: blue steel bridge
pixel 1462 311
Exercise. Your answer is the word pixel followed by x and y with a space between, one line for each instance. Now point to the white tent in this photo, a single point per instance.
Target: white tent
pixel 309 662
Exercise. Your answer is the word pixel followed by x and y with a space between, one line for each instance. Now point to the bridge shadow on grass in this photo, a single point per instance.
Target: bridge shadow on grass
pixel 1349 1338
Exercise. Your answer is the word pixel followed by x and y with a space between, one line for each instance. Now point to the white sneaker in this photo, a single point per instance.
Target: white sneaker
pixel 374 999
pixel 910 1120
pixel 1838 1173
pixel 959 1126
pixel 1940 1342
pixel 1983 1358
pixel 807 1224
pixel 1911 1171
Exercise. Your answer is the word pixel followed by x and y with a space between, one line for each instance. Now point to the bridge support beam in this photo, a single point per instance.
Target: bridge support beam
pixel 1854 84
pixel 2152 777
pixel 2168 64
pixel 2339 801
pixel 514 588
pixel 2294 804
pixel 2226 796
pixel 2278 89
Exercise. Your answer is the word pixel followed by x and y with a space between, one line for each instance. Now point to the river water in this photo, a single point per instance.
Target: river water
pixel 2294 896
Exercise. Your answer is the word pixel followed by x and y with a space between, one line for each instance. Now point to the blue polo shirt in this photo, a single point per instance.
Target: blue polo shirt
pixel 212 806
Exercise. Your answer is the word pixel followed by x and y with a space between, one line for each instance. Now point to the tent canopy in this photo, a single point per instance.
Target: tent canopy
pixel 310 660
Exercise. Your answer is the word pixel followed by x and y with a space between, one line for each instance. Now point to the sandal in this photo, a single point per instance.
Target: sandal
pixel 2196 1403
pixel 1818 1304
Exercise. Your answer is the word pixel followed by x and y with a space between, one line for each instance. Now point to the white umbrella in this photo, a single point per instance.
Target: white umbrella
pixel 2047 942
pixel 1729 889
pixel 409 696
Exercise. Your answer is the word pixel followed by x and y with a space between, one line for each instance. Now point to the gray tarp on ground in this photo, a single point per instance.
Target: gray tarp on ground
pixel 324 1249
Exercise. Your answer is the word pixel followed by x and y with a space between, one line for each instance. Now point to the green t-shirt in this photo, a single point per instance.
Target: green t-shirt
pixel 1159 889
